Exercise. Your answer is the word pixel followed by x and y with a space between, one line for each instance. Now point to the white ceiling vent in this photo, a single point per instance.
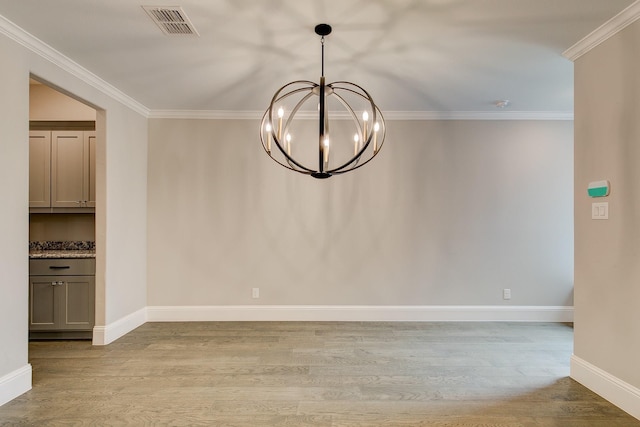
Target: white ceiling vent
pixel 171 19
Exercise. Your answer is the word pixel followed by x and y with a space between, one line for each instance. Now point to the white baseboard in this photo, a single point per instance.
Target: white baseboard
pixel 103 335
pixel 344 313
pixel 623 395
pixel 15 383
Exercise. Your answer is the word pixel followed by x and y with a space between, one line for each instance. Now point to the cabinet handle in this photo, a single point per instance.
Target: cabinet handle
pixel 57 283
pixel 59 267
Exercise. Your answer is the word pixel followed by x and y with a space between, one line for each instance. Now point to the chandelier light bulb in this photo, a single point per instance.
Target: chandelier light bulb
pixel 326 150
pixel 288 143
pixel 267 128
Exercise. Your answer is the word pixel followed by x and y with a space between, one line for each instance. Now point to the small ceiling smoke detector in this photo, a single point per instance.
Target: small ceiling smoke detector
pixel 503 103
pixel 171 19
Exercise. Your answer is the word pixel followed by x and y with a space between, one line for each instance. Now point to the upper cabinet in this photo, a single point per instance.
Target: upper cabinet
pixel 67 179
pixel 39 169
pixel 71 169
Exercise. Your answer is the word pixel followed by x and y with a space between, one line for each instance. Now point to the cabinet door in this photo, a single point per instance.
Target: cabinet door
pixel 61 303
pixel 78 303
pixel 69 169
pixel 39 169
pixel 90 142
pixel 43 303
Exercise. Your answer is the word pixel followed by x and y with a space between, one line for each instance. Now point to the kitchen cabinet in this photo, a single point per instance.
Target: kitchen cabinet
pixel 67 180
pixel 39 169
pixel 61 296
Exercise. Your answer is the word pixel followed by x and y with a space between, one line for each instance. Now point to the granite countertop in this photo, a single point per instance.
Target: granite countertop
pixel 53 249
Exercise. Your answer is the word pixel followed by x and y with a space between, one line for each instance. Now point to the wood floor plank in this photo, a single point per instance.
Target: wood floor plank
pixel 316 374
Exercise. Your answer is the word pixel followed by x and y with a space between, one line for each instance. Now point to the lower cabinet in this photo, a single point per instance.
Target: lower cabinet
pixel 61 305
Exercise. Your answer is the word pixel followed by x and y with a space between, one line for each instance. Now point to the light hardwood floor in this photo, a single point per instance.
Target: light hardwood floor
pixel 314 374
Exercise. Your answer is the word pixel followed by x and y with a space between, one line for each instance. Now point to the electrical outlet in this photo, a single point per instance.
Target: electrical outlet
pixel 506 294
pixel 255 293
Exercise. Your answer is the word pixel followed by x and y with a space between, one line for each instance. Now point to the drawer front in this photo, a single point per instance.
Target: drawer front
pixel 63 267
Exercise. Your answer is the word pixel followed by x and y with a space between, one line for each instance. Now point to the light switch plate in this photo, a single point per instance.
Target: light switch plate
pixel 600 210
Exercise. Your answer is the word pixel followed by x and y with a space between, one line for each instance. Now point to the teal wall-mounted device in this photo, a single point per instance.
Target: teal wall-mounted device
pixel 598 189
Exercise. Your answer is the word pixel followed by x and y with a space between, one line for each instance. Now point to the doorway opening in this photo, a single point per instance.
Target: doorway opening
pixel 62 204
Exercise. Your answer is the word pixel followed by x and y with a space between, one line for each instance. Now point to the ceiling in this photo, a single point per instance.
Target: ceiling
pixel 411 55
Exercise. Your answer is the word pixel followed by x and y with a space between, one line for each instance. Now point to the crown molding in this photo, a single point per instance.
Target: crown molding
pixel 206 114
pixel 37 46
pixel 479 115
pixel 390 115
pixel 605 31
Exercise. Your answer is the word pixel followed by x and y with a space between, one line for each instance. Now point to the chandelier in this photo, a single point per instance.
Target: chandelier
pixel 322 129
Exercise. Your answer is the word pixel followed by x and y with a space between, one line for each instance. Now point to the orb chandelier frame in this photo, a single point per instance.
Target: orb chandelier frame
pixel 364 142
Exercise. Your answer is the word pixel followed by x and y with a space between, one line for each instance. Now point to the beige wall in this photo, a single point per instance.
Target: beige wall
pixel 120 216
pixel 46 104
pixel 450 213
pixel 62 227
pixel 607 254
pixel 14 205
pixel 121 221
